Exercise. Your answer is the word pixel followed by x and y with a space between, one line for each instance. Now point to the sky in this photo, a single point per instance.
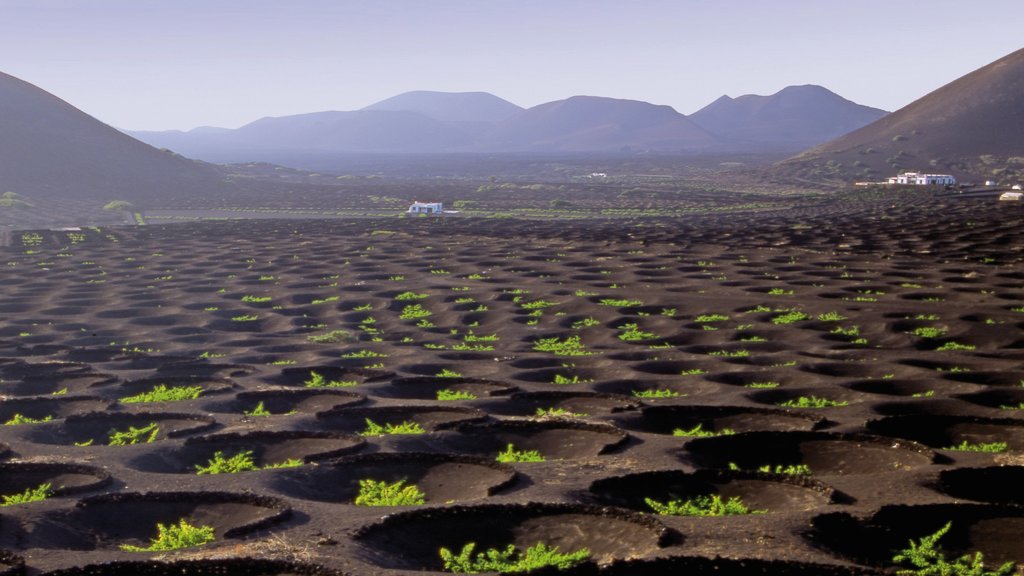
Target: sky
pixel 178 64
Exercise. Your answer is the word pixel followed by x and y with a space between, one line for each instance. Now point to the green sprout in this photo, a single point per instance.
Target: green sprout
pixel 18 419
pixel 175 537
pixel 510 454
pixel 133 435
pixel 698 431
pixel 406 427
pixel 380 493
pixel 509 561
pixel 448 394
pixel 41 492
pixel 928 559
pixel 161 393
pixel 712 505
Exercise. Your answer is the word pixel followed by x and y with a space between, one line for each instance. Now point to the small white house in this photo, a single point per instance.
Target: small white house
pixel 426 208
pixel 1011 196
pixel 1015 187
pixel 919 179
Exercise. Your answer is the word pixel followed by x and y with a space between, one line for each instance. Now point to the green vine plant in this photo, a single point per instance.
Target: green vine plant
pixel 698 431
pixel 241 462
pixel 19 419
pixel 41 492
pixel 509 560
pixel 175 537
pixel 447 395
pixel 162 393
pixel 145 435
pixel 406 427
pixel 510 455
pixel 712 505
pixel 927 559
pixel 317 380
pixel 381 493
pixel 987 447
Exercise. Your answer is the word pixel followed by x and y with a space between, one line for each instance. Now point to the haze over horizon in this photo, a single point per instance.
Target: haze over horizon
pixel 159 64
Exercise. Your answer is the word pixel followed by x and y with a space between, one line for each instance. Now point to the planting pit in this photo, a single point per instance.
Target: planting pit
pixel 666 419
pixel 209 386
pixel 54 407
pixel 762 492
pixel 442 478
pixel 64 478
pixel 825 453
pixel 995 531
pixel 353 420
pixel 993 484
pixel 267 447
pixel 411 540
pixel 426 388
pixel 107 522
pixel 96 427
pixel 58 384
pixel 943 431
pixel 554 439
pixel 287 400
pixel 578 403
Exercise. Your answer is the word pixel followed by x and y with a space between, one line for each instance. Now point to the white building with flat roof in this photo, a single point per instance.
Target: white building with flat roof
pixel 919 179
pixel 426 208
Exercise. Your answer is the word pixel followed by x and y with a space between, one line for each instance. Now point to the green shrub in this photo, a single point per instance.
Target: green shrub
pixel 405 296
pixel 632 333
pixel 119 206
pixel 175 537
pixel 570 346
pixel 42 492
pixel 380 493
pixel 133 435
pixel 241 462
pixel 656 393
pixel 812 402
pixel 790 318
pixel 448 395
pixel 509 561
pixel 332 337
pixel 413 312
pixel 712 505
pixel 18 419
pixel 406 427
pixel 989 447
pixel 163 393
pixel 317 380
pixel 698 431
pixel 510 454
pixel 928 559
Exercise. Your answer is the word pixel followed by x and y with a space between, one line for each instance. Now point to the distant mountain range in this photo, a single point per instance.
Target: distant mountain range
pixel 437 122
pixel 796 117
pixel 972 128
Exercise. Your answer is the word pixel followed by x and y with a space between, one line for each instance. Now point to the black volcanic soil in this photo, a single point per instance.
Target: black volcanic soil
pixel 902 319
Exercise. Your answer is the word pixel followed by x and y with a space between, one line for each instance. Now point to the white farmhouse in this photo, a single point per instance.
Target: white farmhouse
pixel 426 208
pixel 919 179
pixel 1010 196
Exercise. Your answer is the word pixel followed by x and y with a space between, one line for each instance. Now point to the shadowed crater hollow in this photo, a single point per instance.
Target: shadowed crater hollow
pixel 99 428
pixel 442 478
pixel 759 492
pixel 64 478
pixel 823 453
pixel 411 540
pixel 107 522
pixel 995 531
pixel 265 449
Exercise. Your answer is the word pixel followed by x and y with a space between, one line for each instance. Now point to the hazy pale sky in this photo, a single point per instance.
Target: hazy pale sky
pixel 163 64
